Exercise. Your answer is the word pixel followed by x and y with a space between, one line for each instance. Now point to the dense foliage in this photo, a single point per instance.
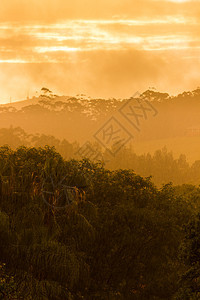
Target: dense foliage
pixel 75 230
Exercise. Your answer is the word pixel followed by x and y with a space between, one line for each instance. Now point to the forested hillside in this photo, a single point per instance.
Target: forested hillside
pixel 75 230
pixel 77 118
pixel 99 150
pixel 75 226
pixel 161 165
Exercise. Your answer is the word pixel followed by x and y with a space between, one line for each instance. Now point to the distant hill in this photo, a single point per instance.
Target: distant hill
pixel 79 118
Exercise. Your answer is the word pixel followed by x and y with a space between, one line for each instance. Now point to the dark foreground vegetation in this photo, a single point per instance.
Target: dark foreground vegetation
pixel 75 230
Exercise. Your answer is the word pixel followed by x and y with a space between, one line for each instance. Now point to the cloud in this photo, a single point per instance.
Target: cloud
pixel 110 60
pixel 57 10
pixel 51 43
pixel 103 74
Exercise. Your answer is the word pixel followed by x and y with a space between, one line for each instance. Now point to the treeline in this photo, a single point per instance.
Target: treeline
pixel 162 165
pixel 65 117
pixel 75 230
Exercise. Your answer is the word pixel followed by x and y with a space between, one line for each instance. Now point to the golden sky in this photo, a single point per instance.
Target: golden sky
pixel 107 48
